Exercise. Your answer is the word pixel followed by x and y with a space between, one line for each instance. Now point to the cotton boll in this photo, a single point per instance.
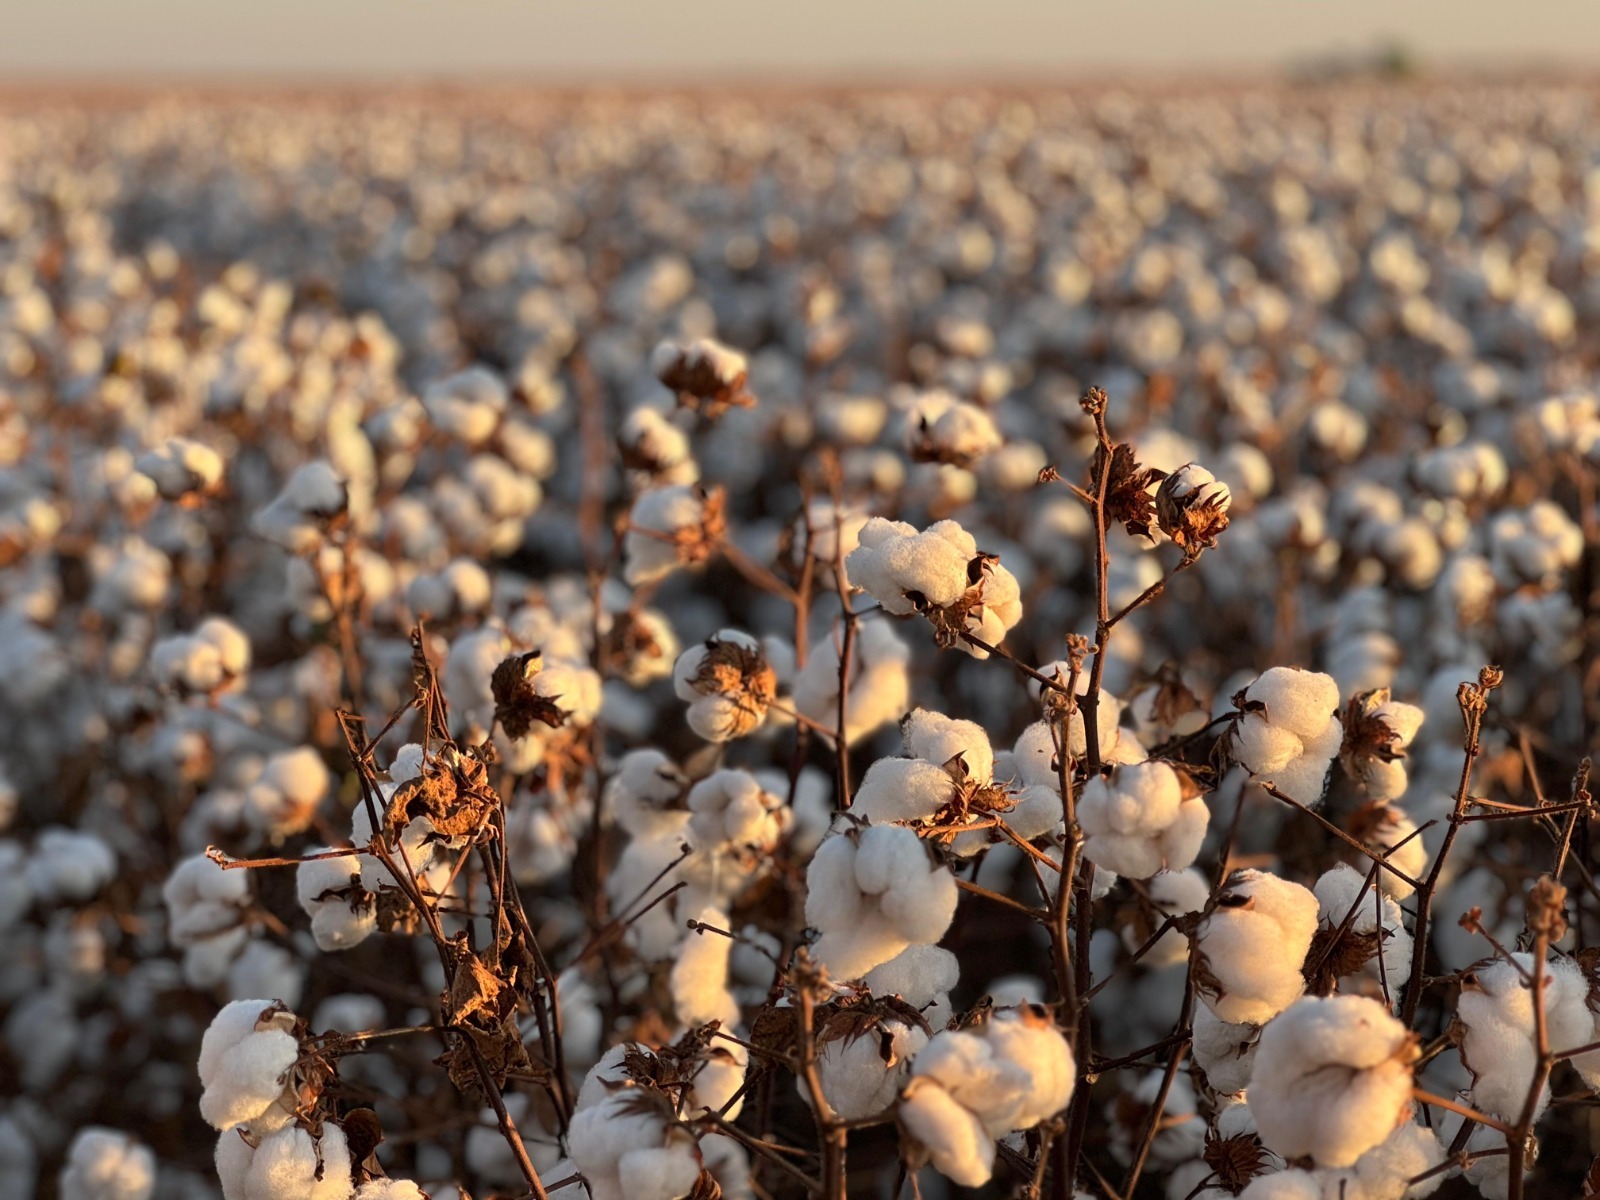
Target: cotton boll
pixel 1175 893
pixel 872 894
pixel 284 800
pixel 1288 731
pixel 1344 890
pixel 699 979
pixel 1388 831
pixel 390 1189
pixel 1225 1052
pixel 311 500
pixel 731 813
pixel 103 1164
pixel 667 527
pixel 1496 1014
pixel 68 866
pixel 1252 947
pixel 1292 1184
pixel 343 913
pixel 936 738
pixel 921 975
pixel 953 1136
pixel 1385 1172
pixel 728 685
pixel 245 1058
pixel 467 405
pixel 879 682
pixel 1332 1079
pixel 181 466
pixel 206 910
pixel 642 791
pixel 861 1076
pixel 1138 821
pixel 652 443
pixel 291 1162
pixel 1180 1132
pixel 266 969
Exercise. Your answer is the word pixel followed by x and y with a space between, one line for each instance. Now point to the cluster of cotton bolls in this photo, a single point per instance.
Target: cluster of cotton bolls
pixel 614 573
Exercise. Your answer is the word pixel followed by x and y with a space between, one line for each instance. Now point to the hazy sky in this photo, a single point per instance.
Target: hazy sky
pixel 573 40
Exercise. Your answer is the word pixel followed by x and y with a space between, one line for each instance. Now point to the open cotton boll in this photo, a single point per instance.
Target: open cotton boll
pixel 1384 971
pixel 266 969
pixel 204 661
pixel 1388 831
pixel 1288 731
pixel 287 1163
pixel 104 1164
pixel 1180 1130
pixel 1251 947
pixel 1490 1174
pixel 894 559
pixel 1175 893
pixel 1225 1051
pixel 1293 1184
pixel 283 801
pixel 1332 1079
pixel 903 789
pixel 1138 821
pixel 644 871
pixel 1385 1172
pixel 936 738
pixel 391 1189
pixel 921 975
pixel 969 1087
pixel 861 1076
pixel 181 466
pixel 626 1151
pixel 642 792
pixel 730 812
pixel 298 518
pixel 245 1057
pixel 1377 732
pixel 1495 1011
pixel 68 866
pixel 718 1080
pixel 872 894
pixel 940 428
pixel 699 980
pixel 651 443
pixel 879 681
pixel 668 527
pixel 727 683
pixel 467 405
pixel 343 913
pixel 207 909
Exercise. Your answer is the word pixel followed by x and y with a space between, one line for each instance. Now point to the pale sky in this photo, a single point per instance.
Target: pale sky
pixel 577 40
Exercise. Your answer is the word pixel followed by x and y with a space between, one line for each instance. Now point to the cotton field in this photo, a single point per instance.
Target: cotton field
pixel 800 644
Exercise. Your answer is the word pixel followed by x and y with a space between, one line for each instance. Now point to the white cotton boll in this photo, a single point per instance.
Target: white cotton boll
pixel 283 800
pixel 1495 1010
pixel 699 980
pixel 1388 831
pixel 957 1144
pixel 467 405
pixel 1175 893
pixel 1253 945
pixel 936 738
pixel 574 688
pixel 390 1189
pixel 1343 889
pixel 291 1162
pixel 1332 1079
pixel 203 899
pixel 1036 812
pixel 298 518
pixel 1385 1172
pixel 343 913
pixel 894 559
pixel 1534 545
pixel 104 1164
pixel 181 466
pixel 643 791
pixel 727 683
pixel 1300 701
pixel 861 1076
pixel 1226 1052
pixel 655 932
pixel 44 1035
pixel 940 428
pixel 658 517
pixel 873 894
pixel 67 866
pixel 879 681
pixel 903 789
pixel 1292 1184
pixel 651 442
pixel 731 812
pixel 1137 822
pixel 245 1058
pixel 921 975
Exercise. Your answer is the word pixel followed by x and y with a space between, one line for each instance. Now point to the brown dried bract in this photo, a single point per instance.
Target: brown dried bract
pixel 1367 736
pixel 517 706
pixel 694 378
pixel 740 674
pixel 1128 498
pixel 1236 1160
pixel 1195 520
pixel 950 621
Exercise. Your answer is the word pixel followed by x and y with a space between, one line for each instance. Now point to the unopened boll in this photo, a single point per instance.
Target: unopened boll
pixel 1252 945
pixel 1138 821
